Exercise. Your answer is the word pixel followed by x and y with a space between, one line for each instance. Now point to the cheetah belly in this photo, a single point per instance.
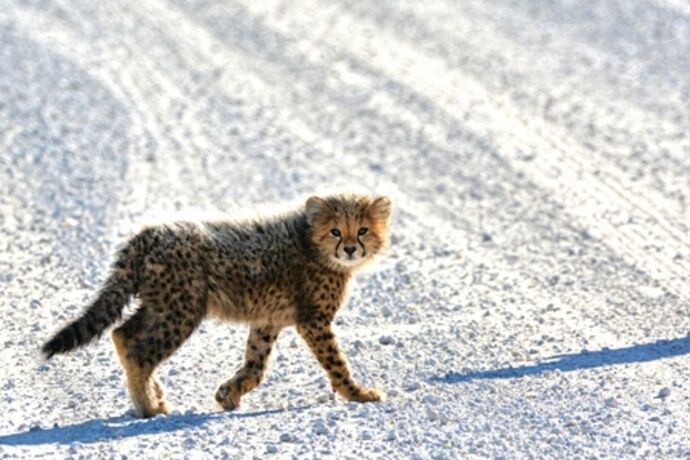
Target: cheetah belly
pixel 256 306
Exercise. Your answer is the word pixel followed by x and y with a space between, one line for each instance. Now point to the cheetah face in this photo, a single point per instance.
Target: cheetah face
pixel 349 230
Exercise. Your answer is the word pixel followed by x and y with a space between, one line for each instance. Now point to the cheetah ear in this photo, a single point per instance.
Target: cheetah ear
pixel 314 207
pixel 381 207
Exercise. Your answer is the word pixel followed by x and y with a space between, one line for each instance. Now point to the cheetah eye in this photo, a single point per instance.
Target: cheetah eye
pixel 335 232
pixel 362 231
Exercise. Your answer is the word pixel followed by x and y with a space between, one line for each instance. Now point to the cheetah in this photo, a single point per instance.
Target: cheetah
pixel 270 273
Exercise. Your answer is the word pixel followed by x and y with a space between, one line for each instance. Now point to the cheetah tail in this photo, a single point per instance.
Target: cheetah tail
pixel 111 300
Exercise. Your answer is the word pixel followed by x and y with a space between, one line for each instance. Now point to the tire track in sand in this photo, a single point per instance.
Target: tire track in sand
pixel 119 78
pixel 606 205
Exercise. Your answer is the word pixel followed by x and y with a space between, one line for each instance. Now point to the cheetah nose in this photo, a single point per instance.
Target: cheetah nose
pixel 350 250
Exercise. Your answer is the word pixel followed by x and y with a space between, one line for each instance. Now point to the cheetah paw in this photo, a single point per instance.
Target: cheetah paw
pixel 226 398
pixel 367 395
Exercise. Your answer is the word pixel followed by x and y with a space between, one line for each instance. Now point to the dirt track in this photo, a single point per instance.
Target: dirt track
pixel 534 302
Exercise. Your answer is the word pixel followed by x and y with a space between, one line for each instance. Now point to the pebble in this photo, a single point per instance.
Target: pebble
pixel 271 449
pixel 363 412
pixel 287 437
pixel 431 399
pixel 320 427
pixel 611 402
pixel 323 398
pixel 386 340
pixel 411 385
pixel 487 387
pixel 664 393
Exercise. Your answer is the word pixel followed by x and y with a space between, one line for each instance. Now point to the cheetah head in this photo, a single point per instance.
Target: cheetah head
pixel 348 230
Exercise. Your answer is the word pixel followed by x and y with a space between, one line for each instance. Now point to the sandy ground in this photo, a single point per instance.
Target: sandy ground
pixel 535 299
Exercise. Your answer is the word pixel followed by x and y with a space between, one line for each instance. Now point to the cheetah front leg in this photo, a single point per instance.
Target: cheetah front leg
pixel 321 340
pixel 256 355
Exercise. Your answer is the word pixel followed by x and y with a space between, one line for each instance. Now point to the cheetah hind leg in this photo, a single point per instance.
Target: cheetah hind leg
pixel 145 390
pixel 147 339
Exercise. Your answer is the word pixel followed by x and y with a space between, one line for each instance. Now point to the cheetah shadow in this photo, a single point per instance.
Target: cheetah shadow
pixel 113 428
pixel 639 353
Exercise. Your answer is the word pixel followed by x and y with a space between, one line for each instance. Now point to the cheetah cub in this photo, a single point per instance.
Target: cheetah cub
pixel 290 270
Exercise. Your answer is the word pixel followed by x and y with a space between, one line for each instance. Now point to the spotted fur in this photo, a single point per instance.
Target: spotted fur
pixel 291 270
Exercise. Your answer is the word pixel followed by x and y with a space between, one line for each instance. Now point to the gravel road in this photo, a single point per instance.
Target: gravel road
pixel 535 300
